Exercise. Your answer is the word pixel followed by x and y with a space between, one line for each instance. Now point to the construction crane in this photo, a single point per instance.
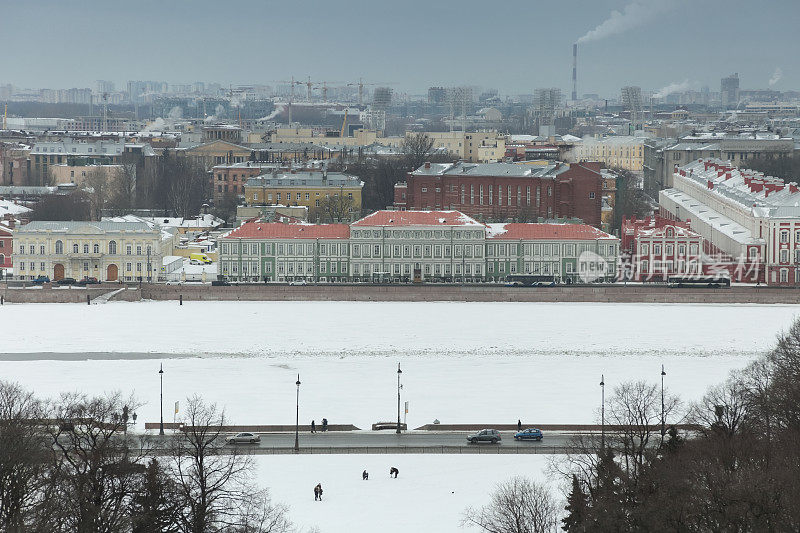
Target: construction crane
pixel 360 86
pixel 292 84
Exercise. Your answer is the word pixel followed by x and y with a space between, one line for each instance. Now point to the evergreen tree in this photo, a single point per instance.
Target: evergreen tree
pixel 577 508
pixel 155 506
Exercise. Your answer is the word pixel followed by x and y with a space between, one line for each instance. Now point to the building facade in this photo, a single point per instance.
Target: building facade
pixel 6 248
pixel 656 248
pixel 307 188
pixel 749 220
pixel 402 246
pixel 108 251
pixel 506 191
pixel 625 152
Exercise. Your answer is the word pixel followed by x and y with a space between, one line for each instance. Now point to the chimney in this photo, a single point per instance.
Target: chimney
pixel 575 72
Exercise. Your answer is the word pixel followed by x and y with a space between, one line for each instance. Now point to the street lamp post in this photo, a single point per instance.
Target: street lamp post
pixel 603 412
pixel 398 397
pixel 297 418
pixel 161 376
pixel 663 422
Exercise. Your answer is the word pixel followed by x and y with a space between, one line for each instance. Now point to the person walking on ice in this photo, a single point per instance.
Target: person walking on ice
pixel 365 475
pixel 318 492
pixel 393 472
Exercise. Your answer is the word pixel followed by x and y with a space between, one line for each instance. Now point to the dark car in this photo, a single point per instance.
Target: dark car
pixel 87 281
pixel 220 283
pixel 485 435
pixel 67 281
pixel 42 279
pixel 529 434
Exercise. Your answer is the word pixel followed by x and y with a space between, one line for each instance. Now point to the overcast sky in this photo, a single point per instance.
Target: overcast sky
pixel 513 45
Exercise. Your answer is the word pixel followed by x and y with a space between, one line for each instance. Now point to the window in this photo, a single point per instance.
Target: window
pixel 784 256
pixel 59 247
pixel 128 250
pixel 96 248
pixel 657 249
pixel 41 249
pixel 591 195
pixel 784 275
pixel 138 250
pixel 112 247
pixel 784 236
pixel 86 248
pixel 32 249
pixel 128 266
pixel 85 266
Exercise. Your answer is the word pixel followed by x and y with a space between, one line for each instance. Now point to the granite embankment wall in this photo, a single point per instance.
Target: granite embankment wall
pixel 411 293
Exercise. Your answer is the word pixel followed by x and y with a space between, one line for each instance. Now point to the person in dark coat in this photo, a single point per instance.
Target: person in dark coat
pixel 519 425
pixel 365 475
pixel 393 472
pixel 324 424
pixel 313 427
pixel 318 492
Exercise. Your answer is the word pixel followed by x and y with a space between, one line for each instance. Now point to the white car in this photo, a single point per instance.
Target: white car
pixel 243 438
pixel 297 282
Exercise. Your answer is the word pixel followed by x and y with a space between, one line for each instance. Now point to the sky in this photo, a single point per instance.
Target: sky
pixel 514 46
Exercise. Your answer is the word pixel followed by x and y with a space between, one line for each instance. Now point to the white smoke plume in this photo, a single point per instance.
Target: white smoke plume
pixel 674 87
pixel 175 113
pixel 158 124
pixel 776 76
pixel 636 13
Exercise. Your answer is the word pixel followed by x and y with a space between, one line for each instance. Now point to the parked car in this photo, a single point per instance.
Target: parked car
pixel 297 282
pixel 529 434
pixel 243 438
pixel 41 279
pixel 67 281
pixel 221 281
pixel 485 435
pixel 87 281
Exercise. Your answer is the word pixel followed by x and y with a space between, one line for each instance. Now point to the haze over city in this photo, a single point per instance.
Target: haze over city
pixel 514 46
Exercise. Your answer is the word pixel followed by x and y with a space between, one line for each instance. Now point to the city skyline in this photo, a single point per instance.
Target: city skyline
pixel 656 44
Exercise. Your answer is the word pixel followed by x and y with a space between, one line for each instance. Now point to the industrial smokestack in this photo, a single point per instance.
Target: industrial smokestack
pixel 575 72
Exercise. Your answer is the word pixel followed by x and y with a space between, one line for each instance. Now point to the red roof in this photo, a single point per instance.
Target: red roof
pixel 279 230
pixel 417 218
pixel 517 231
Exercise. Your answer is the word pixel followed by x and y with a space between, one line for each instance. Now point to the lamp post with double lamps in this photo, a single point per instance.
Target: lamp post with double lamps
pixel 297 418
pixel 398 397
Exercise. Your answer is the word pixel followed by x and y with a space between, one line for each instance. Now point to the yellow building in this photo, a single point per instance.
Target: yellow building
pixel 215 153
pixel 621 152
pixel 362 137
pixel 78 174
pixel 475 147
pixel 308 188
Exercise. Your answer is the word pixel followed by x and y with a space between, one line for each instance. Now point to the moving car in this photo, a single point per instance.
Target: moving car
pixel 87 281
pixel 41 279
pixel 484 435
pixel 243 438
pixel 529 434
pixel 67 281
pixel 297 282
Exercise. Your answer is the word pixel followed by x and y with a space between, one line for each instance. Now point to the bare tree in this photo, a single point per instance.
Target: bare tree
pixel 210 481
pixel 336 208
pixel 99 184
pixel 98 466
pixel 417 147
pixel 258 514
pixel 23 458
pixel 518 505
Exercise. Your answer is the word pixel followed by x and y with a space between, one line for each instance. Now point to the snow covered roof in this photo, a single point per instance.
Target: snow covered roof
pixel 279 230
pixel 523 231
pixel 10 208
pixel 87 227
pixel 765 196
pixel 491 169
pixel 417 218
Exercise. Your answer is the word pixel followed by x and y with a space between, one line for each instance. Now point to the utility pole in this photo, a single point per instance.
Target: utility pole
pixel 663 423
pixel 161 376
pixel 603 412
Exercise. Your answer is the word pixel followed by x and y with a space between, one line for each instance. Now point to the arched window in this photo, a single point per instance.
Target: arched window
pixel 59 247
pixel 96 248
pixel 149 250
pixel 86 248
pixel 75 248
pixel 112 247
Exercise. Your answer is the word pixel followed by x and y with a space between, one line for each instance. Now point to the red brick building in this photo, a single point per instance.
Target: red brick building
pixel 506 191
pixel 6 247
pixel 655 248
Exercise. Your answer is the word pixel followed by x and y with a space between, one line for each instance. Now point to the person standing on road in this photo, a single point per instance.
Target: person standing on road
pixel 519 425
pixel 313 427
pixel 324 425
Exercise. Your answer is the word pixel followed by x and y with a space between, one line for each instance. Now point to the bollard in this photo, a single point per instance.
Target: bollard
pixel 181 297
pixel 88 300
